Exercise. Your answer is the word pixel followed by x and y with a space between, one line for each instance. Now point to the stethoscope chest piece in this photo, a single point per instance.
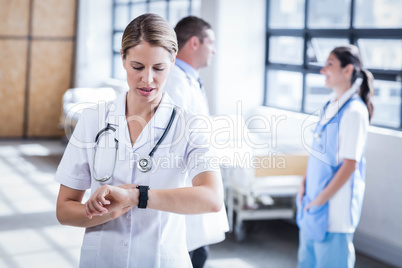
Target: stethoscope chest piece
pixel 145 164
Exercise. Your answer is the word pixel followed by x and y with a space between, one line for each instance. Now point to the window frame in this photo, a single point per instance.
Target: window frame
pixel 350 33
pixel 129 5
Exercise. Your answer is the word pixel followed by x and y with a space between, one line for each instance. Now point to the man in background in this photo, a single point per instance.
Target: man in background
pixel 196 48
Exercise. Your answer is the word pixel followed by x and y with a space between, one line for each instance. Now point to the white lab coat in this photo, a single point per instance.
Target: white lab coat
pixel 203 229
pixel 141 237
pixel 185 92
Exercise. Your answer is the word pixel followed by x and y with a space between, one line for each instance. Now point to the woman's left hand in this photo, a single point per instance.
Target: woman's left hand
pixel 315 202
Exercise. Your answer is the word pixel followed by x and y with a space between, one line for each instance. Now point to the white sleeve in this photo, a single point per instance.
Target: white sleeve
pixel 199 154
pixel 353 132
pixel 73 170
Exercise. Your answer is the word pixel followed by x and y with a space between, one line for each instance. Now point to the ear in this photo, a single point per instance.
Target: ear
pixel 194 42
pixel 174 58
pixel 348 70
pixel 123 60
pixel 173 61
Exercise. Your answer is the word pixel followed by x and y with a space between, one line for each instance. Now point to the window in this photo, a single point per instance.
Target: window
pixel 324 14
pixel 288 89
pixel 126 10
pixel 300 36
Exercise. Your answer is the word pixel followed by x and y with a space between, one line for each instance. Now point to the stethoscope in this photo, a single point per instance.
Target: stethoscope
pixel 143 165
pixel 318 134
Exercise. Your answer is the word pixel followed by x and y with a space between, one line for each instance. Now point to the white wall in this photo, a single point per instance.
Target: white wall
pixel 94 44
pixel 380 230
pixel 237 72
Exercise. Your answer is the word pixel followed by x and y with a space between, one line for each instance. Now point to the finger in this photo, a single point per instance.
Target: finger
pixel 88 210
pixel 94 208
pixel 99 209
pixel 91 210
pixel 101 202
pixel 106 202
pixel 105 191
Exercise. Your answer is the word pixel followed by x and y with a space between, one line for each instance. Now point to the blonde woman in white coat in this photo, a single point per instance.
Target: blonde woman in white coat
pixel 135 218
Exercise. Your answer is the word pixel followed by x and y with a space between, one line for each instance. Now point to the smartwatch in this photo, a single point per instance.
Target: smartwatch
pixel 143 200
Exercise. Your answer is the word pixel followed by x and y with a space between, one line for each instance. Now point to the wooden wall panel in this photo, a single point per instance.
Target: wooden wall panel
pixel 14 17
pixel 50 77
pixel 54 18
pixel 13 55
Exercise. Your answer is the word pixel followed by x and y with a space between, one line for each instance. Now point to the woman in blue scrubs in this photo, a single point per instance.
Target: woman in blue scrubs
pixel 330 196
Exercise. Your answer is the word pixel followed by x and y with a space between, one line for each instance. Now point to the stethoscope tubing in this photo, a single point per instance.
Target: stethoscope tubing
pixel 144 164
pixel 172 116
pixel 107 177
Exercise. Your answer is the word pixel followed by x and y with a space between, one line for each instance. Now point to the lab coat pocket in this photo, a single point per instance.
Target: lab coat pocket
pixel 316 209
pixel 90 246
pixel 300 209
pixel 315 222
pixel 89 256
pixel 92 236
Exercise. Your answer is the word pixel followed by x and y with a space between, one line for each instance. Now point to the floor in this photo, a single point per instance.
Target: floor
pixel 30 235
pixel 269 244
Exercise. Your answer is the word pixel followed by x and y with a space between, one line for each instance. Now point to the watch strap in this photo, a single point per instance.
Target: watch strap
pixel 143 198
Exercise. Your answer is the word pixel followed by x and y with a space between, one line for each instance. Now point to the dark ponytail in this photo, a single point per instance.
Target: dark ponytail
pixel 350 55
pixel 366 91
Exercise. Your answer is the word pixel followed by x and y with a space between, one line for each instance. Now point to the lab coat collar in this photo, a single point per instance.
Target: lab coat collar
pixel 188 69
pixel 345 96
pixel 156 126
pixel 339 103
pixel 117 111
pixel 159 121
pixel 163 113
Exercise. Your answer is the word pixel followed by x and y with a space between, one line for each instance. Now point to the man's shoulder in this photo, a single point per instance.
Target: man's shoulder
pixel 177 72
pixel 176 78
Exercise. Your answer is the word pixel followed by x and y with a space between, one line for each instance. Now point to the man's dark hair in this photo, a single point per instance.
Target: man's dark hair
pixel 190 26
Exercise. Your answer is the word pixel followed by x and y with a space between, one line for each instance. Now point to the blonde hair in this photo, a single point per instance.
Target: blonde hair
pixel 151 28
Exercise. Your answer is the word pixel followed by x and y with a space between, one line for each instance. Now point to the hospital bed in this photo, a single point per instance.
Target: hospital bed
pixel 76 100
pixel 266 190
pixel 260 184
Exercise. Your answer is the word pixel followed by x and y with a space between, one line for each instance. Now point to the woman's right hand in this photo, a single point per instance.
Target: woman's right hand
pixel 109 199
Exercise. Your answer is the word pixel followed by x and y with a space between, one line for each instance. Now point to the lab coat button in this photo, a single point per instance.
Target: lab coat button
pixel 125 243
